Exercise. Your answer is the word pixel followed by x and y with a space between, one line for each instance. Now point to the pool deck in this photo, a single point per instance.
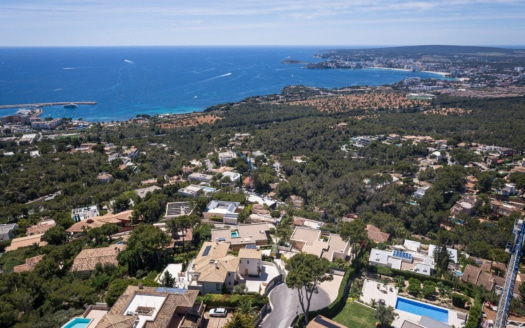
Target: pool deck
pixel 373 289
pixel 95 316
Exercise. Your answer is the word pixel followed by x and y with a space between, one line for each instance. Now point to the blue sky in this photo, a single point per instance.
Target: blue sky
pixel 261 22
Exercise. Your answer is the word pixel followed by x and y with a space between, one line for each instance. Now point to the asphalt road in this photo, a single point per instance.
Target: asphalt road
pixel 285 306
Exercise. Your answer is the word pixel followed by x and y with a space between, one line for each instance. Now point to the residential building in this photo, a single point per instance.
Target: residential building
pixel 225 156
pixel 376 235
pixel 41 227
pixel 104 177
pixel 38 123
pixel 350 217
pixel 25 242
pixel 87 259
pixel 213 269
pixel 452 253
pixel 7 231
pixel 28 138
pixel 503 208
pixel 228 211
pixel 181 236
pixel 402 260
pixel 176 209
pixel 200 177
pixel 242 235
pixel 190 191
pixel 420 192
pixel 83 213
pixel 509 190
pixel 142 192
pixel 154 307
pixel 303 222
pixel 120 219
pixel 478 277
pixel 131 153
pixel 259 209
pixel 323 322
pixel 250 261
pixel 234 176
pixel 29 265
pixel 297 201
pixel 254 198
pixel 319 243
pixel 466 205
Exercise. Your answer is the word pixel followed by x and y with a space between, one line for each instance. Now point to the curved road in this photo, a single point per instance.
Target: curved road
pixel 285 306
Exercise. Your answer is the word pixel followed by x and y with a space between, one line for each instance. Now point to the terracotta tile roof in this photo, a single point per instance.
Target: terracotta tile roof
pixel 116 321
pixel 99 221
pixel 87 259
pixel 249 253
pixel 29 265
pixel 40 227
pixel 174 303
pixel 375 234
pixel 478 277
pixel 215 265
pixel 323 322
pixel 24 242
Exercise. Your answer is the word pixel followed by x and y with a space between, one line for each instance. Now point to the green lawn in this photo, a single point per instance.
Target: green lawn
pixel 356 315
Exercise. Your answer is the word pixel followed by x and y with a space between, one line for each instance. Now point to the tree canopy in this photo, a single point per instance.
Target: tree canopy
pixel 305 273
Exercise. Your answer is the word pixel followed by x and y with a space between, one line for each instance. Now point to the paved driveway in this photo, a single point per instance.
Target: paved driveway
pixel 215 322
pixel 285 303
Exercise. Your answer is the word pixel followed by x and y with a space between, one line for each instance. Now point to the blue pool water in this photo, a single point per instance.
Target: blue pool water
pixel 421 309
pixel 235 234
pixel 208 189
pixel 77 323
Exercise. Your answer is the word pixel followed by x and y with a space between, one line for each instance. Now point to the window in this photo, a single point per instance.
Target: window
pixel 248 261
pixel 218 286
pixel 229 274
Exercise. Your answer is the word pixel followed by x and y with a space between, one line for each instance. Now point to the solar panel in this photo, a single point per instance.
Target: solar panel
pixel 251 247
pixel 221 239
pixel 402 255
pixel 206 251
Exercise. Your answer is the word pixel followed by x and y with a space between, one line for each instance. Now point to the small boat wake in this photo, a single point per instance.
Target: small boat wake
pixel 217 77
pixel 129 61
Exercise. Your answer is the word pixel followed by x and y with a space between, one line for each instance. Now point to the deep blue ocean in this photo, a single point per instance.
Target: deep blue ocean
pixel 126 81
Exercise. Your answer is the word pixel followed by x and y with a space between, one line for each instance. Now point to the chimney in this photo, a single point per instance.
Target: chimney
pixel 216 264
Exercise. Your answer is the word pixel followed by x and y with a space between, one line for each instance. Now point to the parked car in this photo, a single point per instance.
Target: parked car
pixel 218 312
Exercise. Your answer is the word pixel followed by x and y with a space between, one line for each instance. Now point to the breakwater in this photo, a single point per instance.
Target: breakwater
pixel 48 104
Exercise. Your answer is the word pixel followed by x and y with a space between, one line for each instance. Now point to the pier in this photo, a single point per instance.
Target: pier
pixel 59 103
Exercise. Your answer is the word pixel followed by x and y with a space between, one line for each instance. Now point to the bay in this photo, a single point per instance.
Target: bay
pixel 126 81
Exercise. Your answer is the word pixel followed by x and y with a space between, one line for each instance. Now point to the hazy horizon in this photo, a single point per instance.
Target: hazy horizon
pixel 354 23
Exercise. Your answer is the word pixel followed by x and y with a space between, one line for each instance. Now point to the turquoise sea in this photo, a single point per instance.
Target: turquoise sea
pixel 126 81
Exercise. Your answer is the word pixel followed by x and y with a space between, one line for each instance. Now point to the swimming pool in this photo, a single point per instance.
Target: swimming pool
pixel 235 233
pixel 419 308
pixel 77 323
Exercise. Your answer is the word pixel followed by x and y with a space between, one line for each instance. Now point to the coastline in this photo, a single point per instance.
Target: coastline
pixel 443 74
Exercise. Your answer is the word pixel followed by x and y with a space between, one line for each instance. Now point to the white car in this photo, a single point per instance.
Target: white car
pixel 218 312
